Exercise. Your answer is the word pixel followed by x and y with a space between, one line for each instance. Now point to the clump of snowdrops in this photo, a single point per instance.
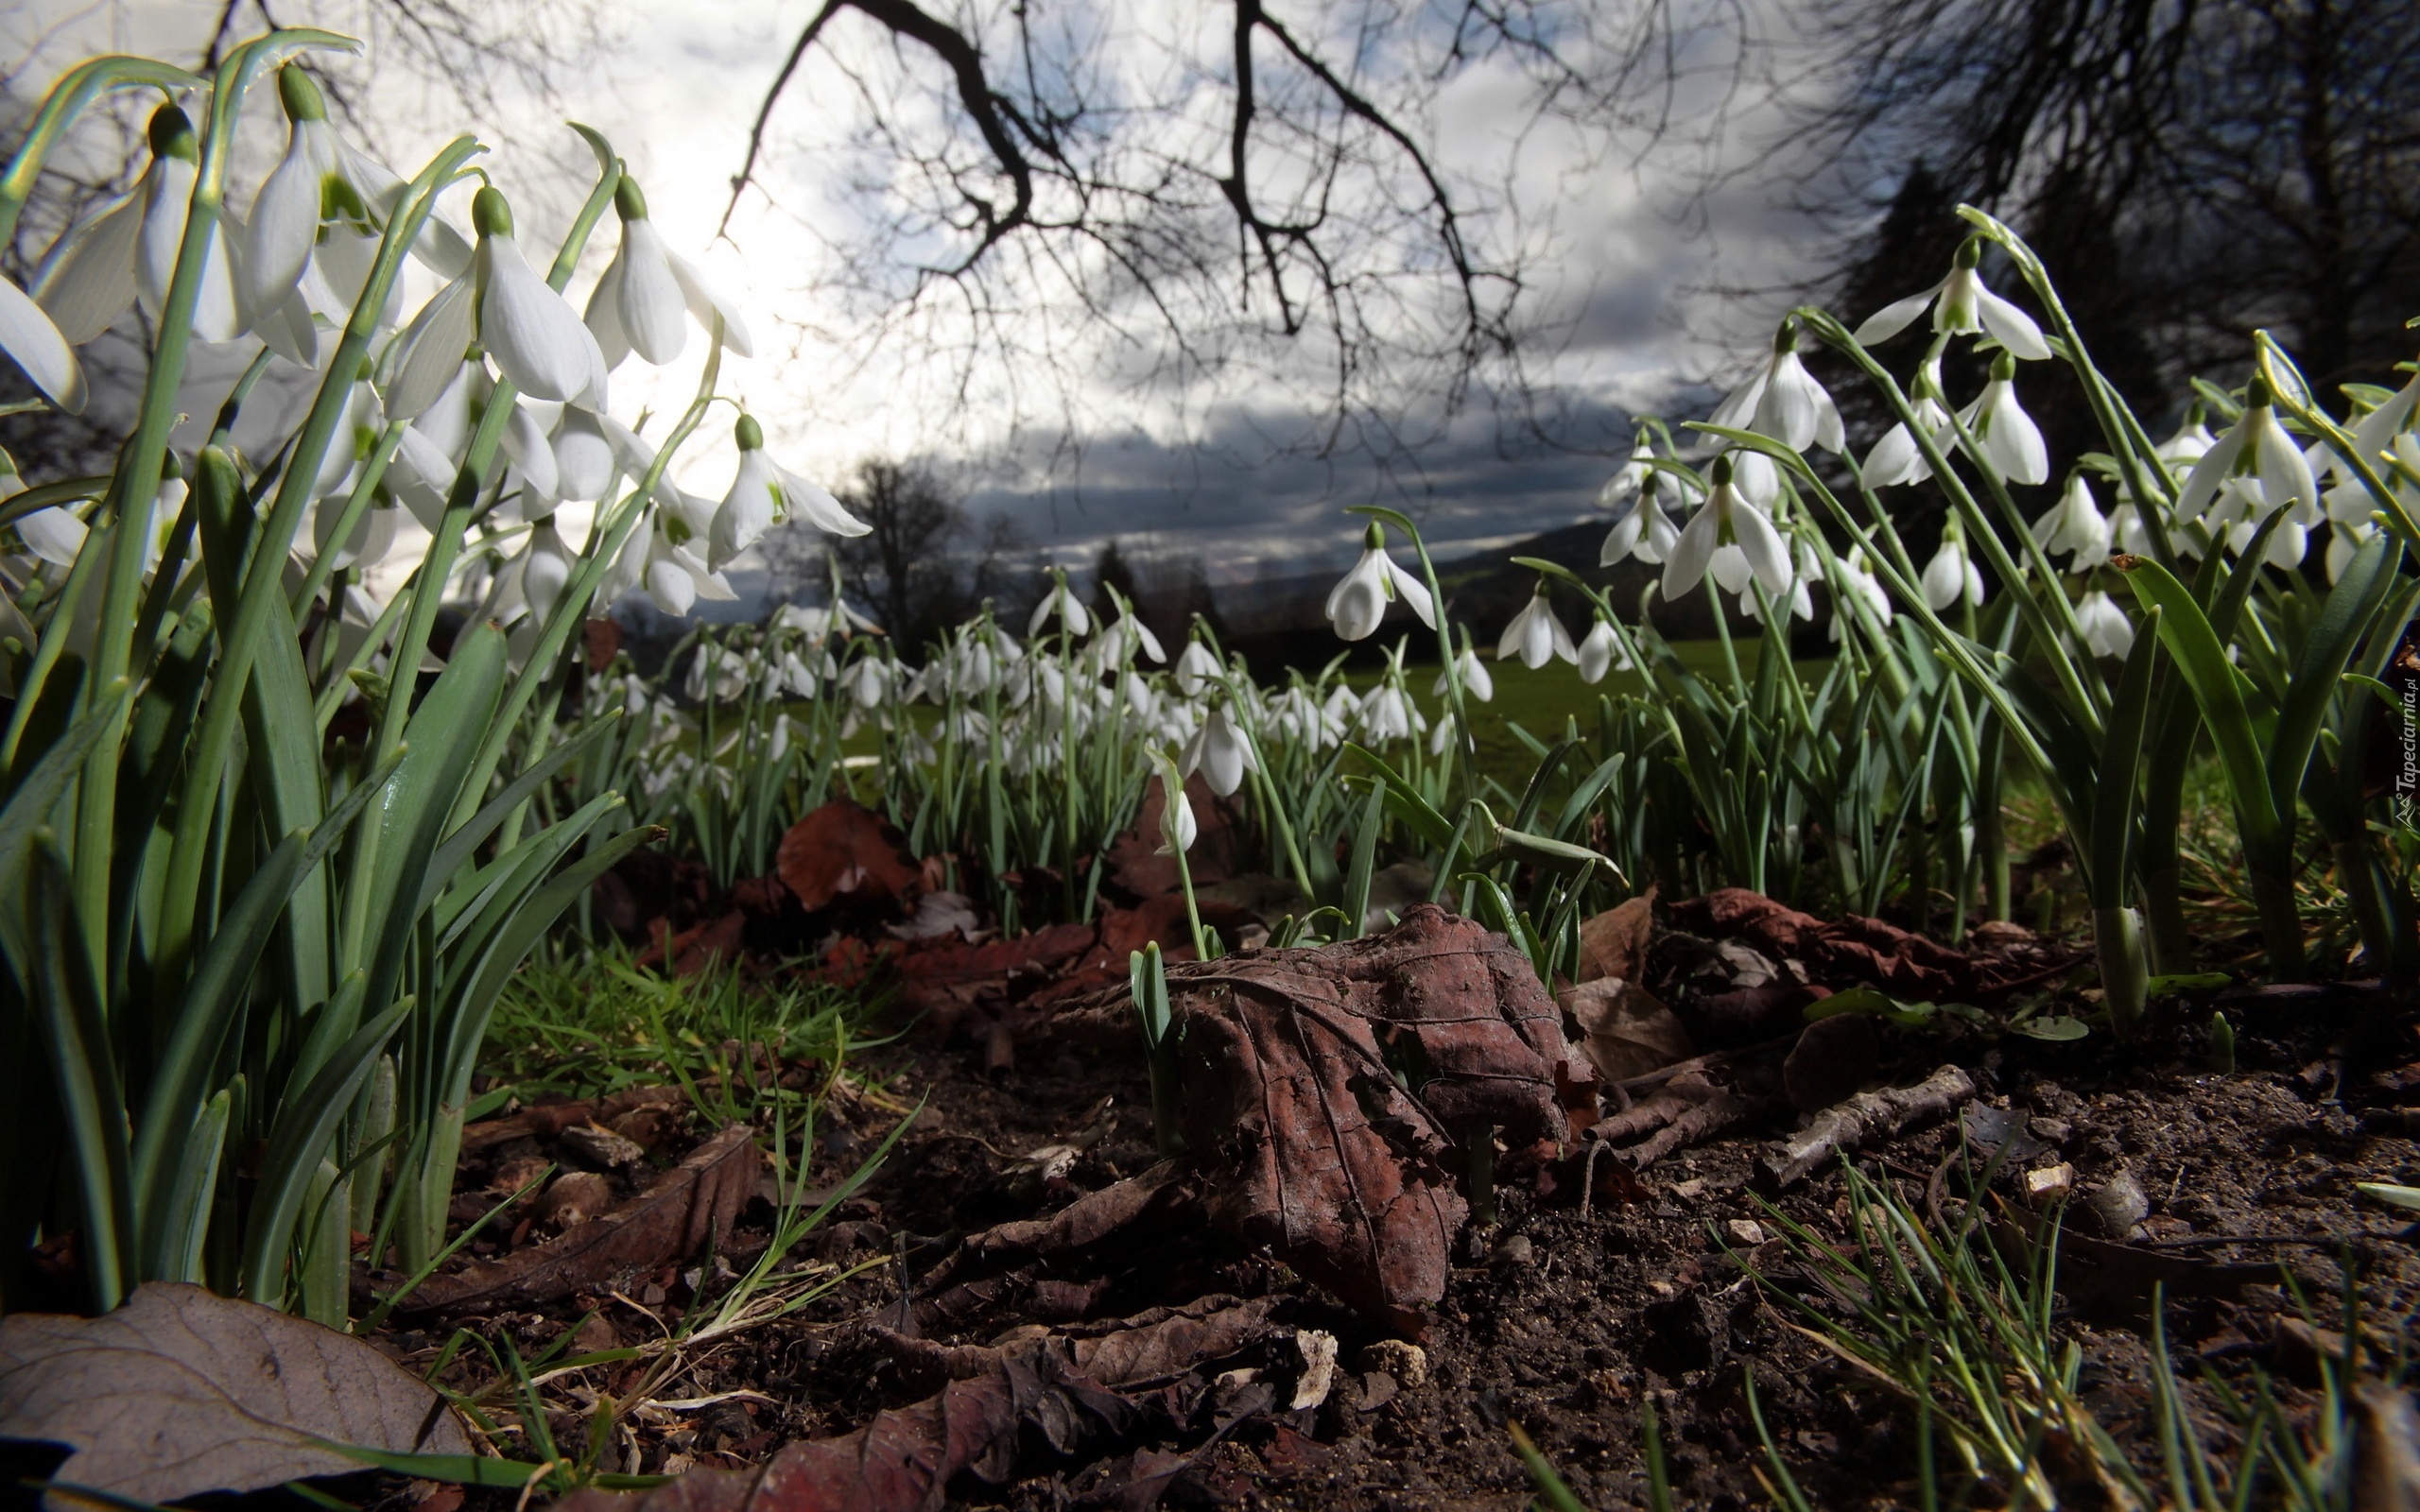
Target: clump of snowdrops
pixel 228 936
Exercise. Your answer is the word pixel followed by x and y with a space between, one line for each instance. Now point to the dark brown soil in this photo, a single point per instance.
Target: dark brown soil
pixel 1562 1322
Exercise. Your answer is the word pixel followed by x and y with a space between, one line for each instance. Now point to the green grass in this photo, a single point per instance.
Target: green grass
pixel 595 1027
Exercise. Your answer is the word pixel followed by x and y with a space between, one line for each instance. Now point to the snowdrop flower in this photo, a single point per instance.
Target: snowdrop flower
pixel 1858 584
pixel 1896 458
pixel 867 680
pixel 674 575
pixel 127 254
pixel 763 493
pixel 1387 714
pixel 1960 306
pixel 1177 826
pixel 1359 602
pixel 2264 463
pixel 371 538
pixel 1730 537
pixel 647 290
pixel 538 342
pixel 2344 540
pixel 1194 667
pixel 1535 635
pixel 1630 477
pixel 2375 434
pixel 315 225
pixel 1112 646
pixel 1219 752
pixel 1600 653
pixel 1951 576
pixel 585 459
pixel 2191 441
pixel 2288 545
pixel 2010 441
pixel 1802 599
pixel 2106 628
pixel 33 341
pixel 2075 526
pixel 1070 609
pixel 1643 530
pixel 1475 680
pixel 1782 400
pixel 53 534
pixel 545 569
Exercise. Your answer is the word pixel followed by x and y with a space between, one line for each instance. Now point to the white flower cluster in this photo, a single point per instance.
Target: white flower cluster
pixel 291 273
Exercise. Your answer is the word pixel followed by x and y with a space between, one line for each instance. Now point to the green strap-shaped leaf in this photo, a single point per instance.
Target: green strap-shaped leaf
pixel 27 814
pixel 2185 631
pixel 84 1073
pixel 419 798
pixel 213 998
pixel 1414 810
pixel 464 842
pixel 2121 750
pixel 303 1128
pixel 2344 619
pixel 1365 860
pixel 460 1048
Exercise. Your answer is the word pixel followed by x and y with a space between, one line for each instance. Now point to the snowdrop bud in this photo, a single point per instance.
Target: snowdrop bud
pixel 2106 628
pixel 1219 751
pixel 300 94
pixel 1535 635
pixel 536 339
pixel 546 570
pixel 1476 682
pixel 1177 826
pixel 1195 666
pixel 2075 526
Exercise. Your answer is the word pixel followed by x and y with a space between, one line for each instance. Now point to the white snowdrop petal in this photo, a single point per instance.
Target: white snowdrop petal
pixel 2011 327
pixel 526 442
pixel 1895 317
pixel 88 279
pixel 824 512
pixel 283 228
pixel 531 332
pixel 54 535
pixel 432 350
pixel 647 298
pixel 34 343
pixel 705 302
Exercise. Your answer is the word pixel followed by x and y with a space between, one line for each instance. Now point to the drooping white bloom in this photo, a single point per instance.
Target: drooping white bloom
pixel 1600 652
pixel 2346 537
pixel 1730 537
pixel 2009 440
pixel 1643 530
pixel 648 290
pixel 1112 646
pixel 53 534
pixel 2106 628
pixel 2375 434
pixel 127 254
pixel 370 541
pixel 1195 666
pixel 1782 400
pixel 1535 635
pixel 33 341
pixel 1476 683
pixel 535 337
pixel 545 569
pixel 1072 614
pixel 1386 714
pixel 2264 463
pixel 1177 825
pixel 2191 441
pixel 584 462
pixel 1951 574
pixel 2288 545
pixel 1896 458
pixel 867 680
pixel 1358 601
pixel 1630 477
pixel 1858 586
pixel 763 494
pixel 1219 752
pixel 315 225
pixel 2075 526
pixel 1960 306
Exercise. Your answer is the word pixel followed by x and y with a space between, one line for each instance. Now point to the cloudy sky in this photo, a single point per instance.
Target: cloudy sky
pixel 1077 429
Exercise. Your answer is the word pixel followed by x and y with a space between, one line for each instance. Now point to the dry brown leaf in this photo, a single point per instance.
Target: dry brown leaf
pixel 1614 942
pixel 181 1391
pixel 1625 1031
pixel 701 1196
pixel 844 851
pixel 1308 1141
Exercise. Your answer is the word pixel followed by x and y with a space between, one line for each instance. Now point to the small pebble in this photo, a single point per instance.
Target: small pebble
pixel 1747 1231
pixel 1516 1250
